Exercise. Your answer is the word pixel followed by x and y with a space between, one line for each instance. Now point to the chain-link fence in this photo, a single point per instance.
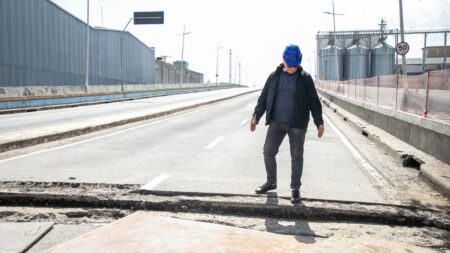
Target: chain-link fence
pixel 426 95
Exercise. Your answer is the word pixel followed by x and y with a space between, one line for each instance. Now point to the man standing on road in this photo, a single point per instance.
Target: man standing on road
pixel 287 98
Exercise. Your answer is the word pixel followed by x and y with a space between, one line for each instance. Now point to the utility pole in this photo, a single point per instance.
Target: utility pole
pixel 404 72
pixel 335 40
pixel 217 63
pixel 402 36
pixel 229 68
pixel 182 52
pixel 235 67
pixel 246 78
pixel 87 49
pixel 239 72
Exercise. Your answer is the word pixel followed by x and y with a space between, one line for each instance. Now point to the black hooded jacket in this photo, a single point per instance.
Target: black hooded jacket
pixel 306 100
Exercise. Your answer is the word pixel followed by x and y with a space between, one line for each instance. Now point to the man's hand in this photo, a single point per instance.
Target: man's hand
pixel 253 125
pixel 320 131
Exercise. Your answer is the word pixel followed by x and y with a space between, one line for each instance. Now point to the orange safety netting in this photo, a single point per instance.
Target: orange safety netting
pixel 426 95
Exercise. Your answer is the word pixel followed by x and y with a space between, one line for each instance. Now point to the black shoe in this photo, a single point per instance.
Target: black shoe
pixel 265 187
pixel 295 197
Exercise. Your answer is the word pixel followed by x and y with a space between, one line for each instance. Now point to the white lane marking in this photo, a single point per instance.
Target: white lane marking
pixel 214 142
pixel 152 184
pixel 367 166
pixel 244 122
pixel 103 136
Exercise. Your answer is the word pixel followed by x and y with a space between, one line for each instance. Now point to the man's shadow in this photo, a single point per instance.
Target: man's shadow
pixel 300 230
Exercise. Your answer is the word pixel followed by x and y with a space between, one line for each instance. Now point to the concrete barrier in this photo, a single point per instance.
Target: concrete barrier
pixel 430 136
pixel 70 95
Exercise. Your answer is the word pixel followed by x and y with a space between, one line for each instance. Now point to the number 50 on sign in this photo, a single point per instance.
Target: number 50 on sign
pixel 402 48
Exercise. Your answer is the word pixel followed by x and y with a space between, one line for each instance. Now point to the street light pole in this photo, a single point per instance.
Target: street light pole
pixel 121 54
pixel 217 62
pixel 87 49
pixel 140 18
pixel 182 53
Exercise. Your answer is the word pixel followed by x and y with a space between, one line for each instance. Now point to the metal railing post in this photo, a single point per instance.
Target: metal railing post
pixel 427 83
pixel 121 61
pixel 396 92
pixel 348 89
pixel 364 89
pixel 378 89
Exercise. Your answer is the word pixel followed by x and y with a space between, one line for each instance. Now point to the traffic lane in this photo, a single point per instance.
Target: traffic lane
pixel 133 155
pixel 208 150
pixel 34 121
pixel 236 165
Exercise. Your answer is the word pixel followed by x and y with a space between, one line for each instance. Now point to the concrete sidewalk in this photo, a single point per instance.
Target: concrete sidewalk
pixel 22 139
pixel 432 170
pixel 146 232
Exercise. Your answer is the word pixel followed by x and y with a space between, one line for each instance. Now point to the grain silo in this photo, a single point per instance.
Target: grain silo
pixel 383 60
pixel 327 63
pixel 356 62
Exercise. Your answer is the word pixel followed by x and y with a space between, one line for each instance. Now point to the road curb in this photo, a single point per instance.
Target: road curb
pixel 404 158
pixel 81 131
pixel 432 179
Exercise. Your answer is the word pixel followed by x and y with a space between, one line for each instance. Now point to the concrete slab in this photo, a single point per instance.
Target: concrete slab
pixel 61 233
pixel 18 237
pixel 143 232
pixel 147 232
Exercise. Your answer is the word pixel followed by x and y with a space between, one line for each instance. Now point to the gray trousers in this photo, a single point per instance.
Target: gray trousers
pixel 275 135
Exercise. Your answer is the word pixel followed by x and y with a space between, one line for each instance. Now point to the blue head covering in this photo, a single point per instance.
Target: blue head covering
pixel 292 55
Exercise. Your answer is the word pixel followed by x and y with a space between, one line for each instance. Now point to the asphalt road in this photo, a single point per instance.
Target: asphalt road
pixel 23 125
pixel 210 149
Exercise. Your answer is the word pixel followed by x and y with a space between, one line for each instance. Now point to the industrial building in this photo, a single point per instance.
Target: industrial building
pixel 171 73
pixel 346 55
pixel 434 60
pixel 41 44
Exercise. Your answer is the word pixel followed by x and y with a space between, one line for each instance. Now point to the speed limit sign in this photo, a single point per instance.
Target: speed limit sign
pixel 402 48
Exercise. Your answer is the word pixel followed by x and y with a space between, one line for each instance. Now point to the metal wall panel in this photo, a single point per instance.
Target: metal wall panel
pixel 41 44
pixel 356 63
pixel 383 60
pixel 327 63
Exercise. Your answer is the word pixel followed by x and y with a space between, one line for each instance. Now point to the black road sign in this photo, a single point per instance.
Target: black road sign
pixel 149 17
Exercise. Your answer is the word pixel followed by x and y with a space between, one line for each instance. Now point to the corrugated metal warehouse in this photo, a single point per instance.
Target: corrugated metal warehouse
pixel 41 44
